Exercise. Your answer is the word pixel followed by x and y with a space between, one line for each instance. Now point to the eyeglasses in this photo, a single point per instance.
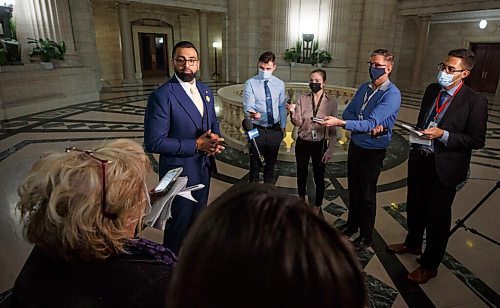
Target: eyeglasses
pixel 449 69
pixel 182 61
pixel 376 65
pixel 103 163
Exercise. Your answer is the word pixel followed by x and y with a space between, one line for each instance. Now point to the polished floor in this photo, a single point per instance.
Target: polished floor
pixel 468 276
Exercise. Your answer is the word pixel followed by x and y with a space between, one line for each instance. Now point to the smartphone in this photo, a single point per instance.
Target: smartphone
pixel 319 120
pixel 168 179
pixel 412 129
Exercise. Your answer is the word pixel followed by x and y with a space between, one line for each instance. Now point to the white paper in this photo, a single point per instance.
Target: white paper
pixel 187 195
pixel 411 129
pixel 419 140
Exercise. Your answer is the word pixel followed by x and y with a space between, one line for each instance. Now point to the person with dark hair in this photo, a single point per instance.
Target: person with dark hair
pixel 180 124
pixel 370 117
pixel 82 210
pixel 264 102
pixel 453 120
pixel 314 141
pixel 256 247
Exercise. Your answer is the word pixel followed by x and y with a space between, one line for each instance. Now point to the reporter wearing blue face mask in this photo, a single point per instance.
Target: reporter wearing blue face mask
pixel 264 102
pixel 370 117
pixel 452 119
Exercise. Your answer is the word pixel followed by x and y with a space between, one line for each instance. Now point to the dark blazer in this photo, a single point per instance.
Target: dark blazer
pixel 465 120
pixel 171 125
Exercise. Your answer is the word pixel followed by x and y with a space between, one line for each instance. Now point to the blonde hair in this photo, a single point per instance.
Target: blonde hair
pixel 60 200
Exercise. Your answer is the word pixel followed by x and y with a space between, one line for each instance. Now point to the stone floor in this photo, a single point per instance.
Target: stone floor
pixel 468 276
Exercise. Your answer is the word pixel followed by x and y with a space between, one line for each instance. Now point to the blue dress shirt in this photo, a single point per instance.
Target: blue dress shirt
pixel 254 99
pixel 381 109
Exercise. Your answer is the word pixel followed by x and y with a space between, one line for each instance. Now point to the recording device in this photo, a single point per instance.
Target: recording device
pixel 252 133
pixel 168 180
pixel 382 133
pixel 317 120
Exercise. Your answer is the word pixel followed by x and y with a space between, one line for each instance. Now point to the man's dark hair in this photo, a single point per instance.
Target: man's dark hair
pixel 184 44
pixel 322 73
pixel 257 247
pixel 267 57
pixel 467 56
pixel 387 54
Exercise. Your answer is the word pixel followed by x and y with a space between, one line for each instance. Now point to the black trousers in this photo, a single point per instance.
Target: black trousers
pixel 428 208
pixel 269 142
pixel 304 151
pixel 363 170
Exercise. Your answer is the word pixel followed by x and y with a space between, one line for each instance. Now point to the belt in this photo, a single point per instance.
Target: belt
pixel 276 126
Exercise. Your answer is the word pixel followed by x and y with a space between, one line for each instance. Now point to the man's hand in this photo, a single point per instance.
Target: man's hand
pixel 254 115
pixel 209 143
pixel 378 129
pixel 433 133
pixel 332 121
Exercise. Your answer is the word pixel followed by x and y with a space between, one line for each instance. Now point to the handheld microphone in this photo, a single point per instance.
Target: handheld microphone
pixel 252 133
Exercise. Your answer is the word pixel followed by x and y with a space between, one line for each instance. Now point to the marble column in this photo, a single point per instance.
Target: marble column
pixel 339 31
pixel 204 47
pixel 279 34
pixel 424 23
pixel 126 44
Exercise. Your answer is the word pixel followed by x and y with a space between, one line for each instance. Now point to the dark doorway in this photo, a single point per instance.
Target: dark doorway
pixel 484 76
pixel 154 56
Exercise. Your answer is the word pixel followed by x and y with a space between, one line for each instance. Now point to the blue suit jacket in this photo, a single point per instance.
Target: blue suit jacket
pixel 171 125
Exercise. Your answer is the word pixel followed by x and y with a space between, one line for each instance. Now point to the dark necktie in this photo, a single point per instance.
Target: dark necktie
pixel 269 104
pixel 442 98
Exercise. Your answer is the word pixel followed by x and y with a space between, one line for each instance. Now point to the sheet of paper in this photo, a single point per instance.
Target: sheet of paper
pixel 187 195
pixel 419 140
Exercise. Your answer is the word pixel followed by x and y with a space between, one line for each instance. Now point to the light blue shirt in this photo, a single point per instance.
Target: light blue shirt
pixel 254 99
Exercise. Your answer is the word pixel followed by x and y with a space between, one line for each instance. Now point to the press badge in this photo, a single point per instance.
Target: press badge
pixel 432 124
pixel 314 134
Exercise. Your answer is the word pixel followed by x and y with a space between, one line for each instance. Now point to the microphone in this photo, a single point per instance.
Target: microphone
pixel 252 133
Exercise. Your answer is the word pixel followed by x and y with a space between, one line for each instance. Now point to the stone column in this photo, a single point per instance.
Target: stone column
pixel 339 31
pixel 279 34
pixel 204 47
pixel 126 44
pixel 424 23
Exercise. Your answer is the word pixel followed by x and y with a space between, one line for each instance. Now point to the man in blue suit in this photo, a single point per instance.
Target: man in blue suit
pixel 180 124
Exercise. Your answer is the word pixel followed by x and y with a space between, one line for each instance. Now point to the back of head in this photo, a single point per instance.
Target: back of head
pixel 467 56
pixel 256 247
pixel 61 201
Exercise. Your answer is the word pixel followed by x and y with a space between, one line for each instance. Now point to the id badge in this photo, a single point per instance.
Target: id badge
pixel 314 134
pixel 432 124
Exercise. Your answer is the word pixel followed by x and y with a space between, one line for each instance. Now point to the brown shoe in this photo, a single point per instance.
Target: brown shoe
pixel 402 248
pixel 421 275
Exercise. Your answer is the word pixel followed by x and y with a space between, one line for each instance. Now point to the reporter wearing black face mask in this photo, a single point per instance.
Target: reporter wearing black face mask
pixel 314 141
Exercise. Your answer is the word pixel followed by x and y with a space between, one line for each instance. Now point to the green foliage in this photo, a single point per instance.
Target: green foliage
pixel 320 55
pixel 293 54
pixel 11 52
pixel 3 56
pixel 47 49
pixel 13 28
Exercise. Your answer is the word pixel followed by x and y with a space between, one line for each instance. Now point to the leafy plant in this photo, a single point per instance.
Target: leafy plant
pixel 3 56
pixel 293 54
pixel 320 55
pixel 47 49
pixel 13 28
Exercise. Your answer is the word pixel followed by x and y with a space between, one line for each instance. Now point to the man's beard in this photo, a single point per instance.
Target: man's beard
pixel 186 77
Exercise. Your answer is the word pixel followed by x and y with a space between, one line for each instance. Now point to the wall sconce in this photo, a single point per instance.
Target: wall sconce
pixel 483 23
pixel 215 45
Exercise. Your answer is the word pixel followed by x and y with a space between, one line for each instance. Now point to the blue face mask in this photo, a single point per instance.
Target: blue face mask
pixel 265 74
pixel 445 79
pixel 376 72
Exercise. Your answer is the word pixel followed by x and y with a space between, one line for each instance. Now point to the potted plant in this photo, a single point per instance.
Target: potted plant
pixel 47 50
pixel 292 55
pixel 320 57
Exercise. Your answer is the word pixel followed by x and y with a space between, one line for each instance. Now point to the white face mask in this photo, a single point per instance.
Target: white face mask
pixel 445 79
pixel 265 74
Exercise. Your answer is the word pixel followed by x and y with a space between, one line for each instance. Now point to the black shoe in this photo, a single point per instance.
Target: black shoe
pixel 361 243
pixel 348 232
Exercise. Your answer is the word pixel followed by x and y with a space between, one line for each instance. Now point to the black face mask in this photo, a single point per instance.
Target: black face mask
pixel 315 86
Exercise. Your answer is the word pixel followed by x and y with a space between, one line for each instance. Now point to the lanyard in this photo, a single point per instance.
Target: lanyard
pixel 315 109
pixel 366 100
pixel 439 109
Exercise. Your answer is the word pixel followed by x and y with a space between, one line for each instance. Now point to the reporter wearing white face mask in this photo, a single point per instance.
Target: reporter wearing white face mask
pixel 264 101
